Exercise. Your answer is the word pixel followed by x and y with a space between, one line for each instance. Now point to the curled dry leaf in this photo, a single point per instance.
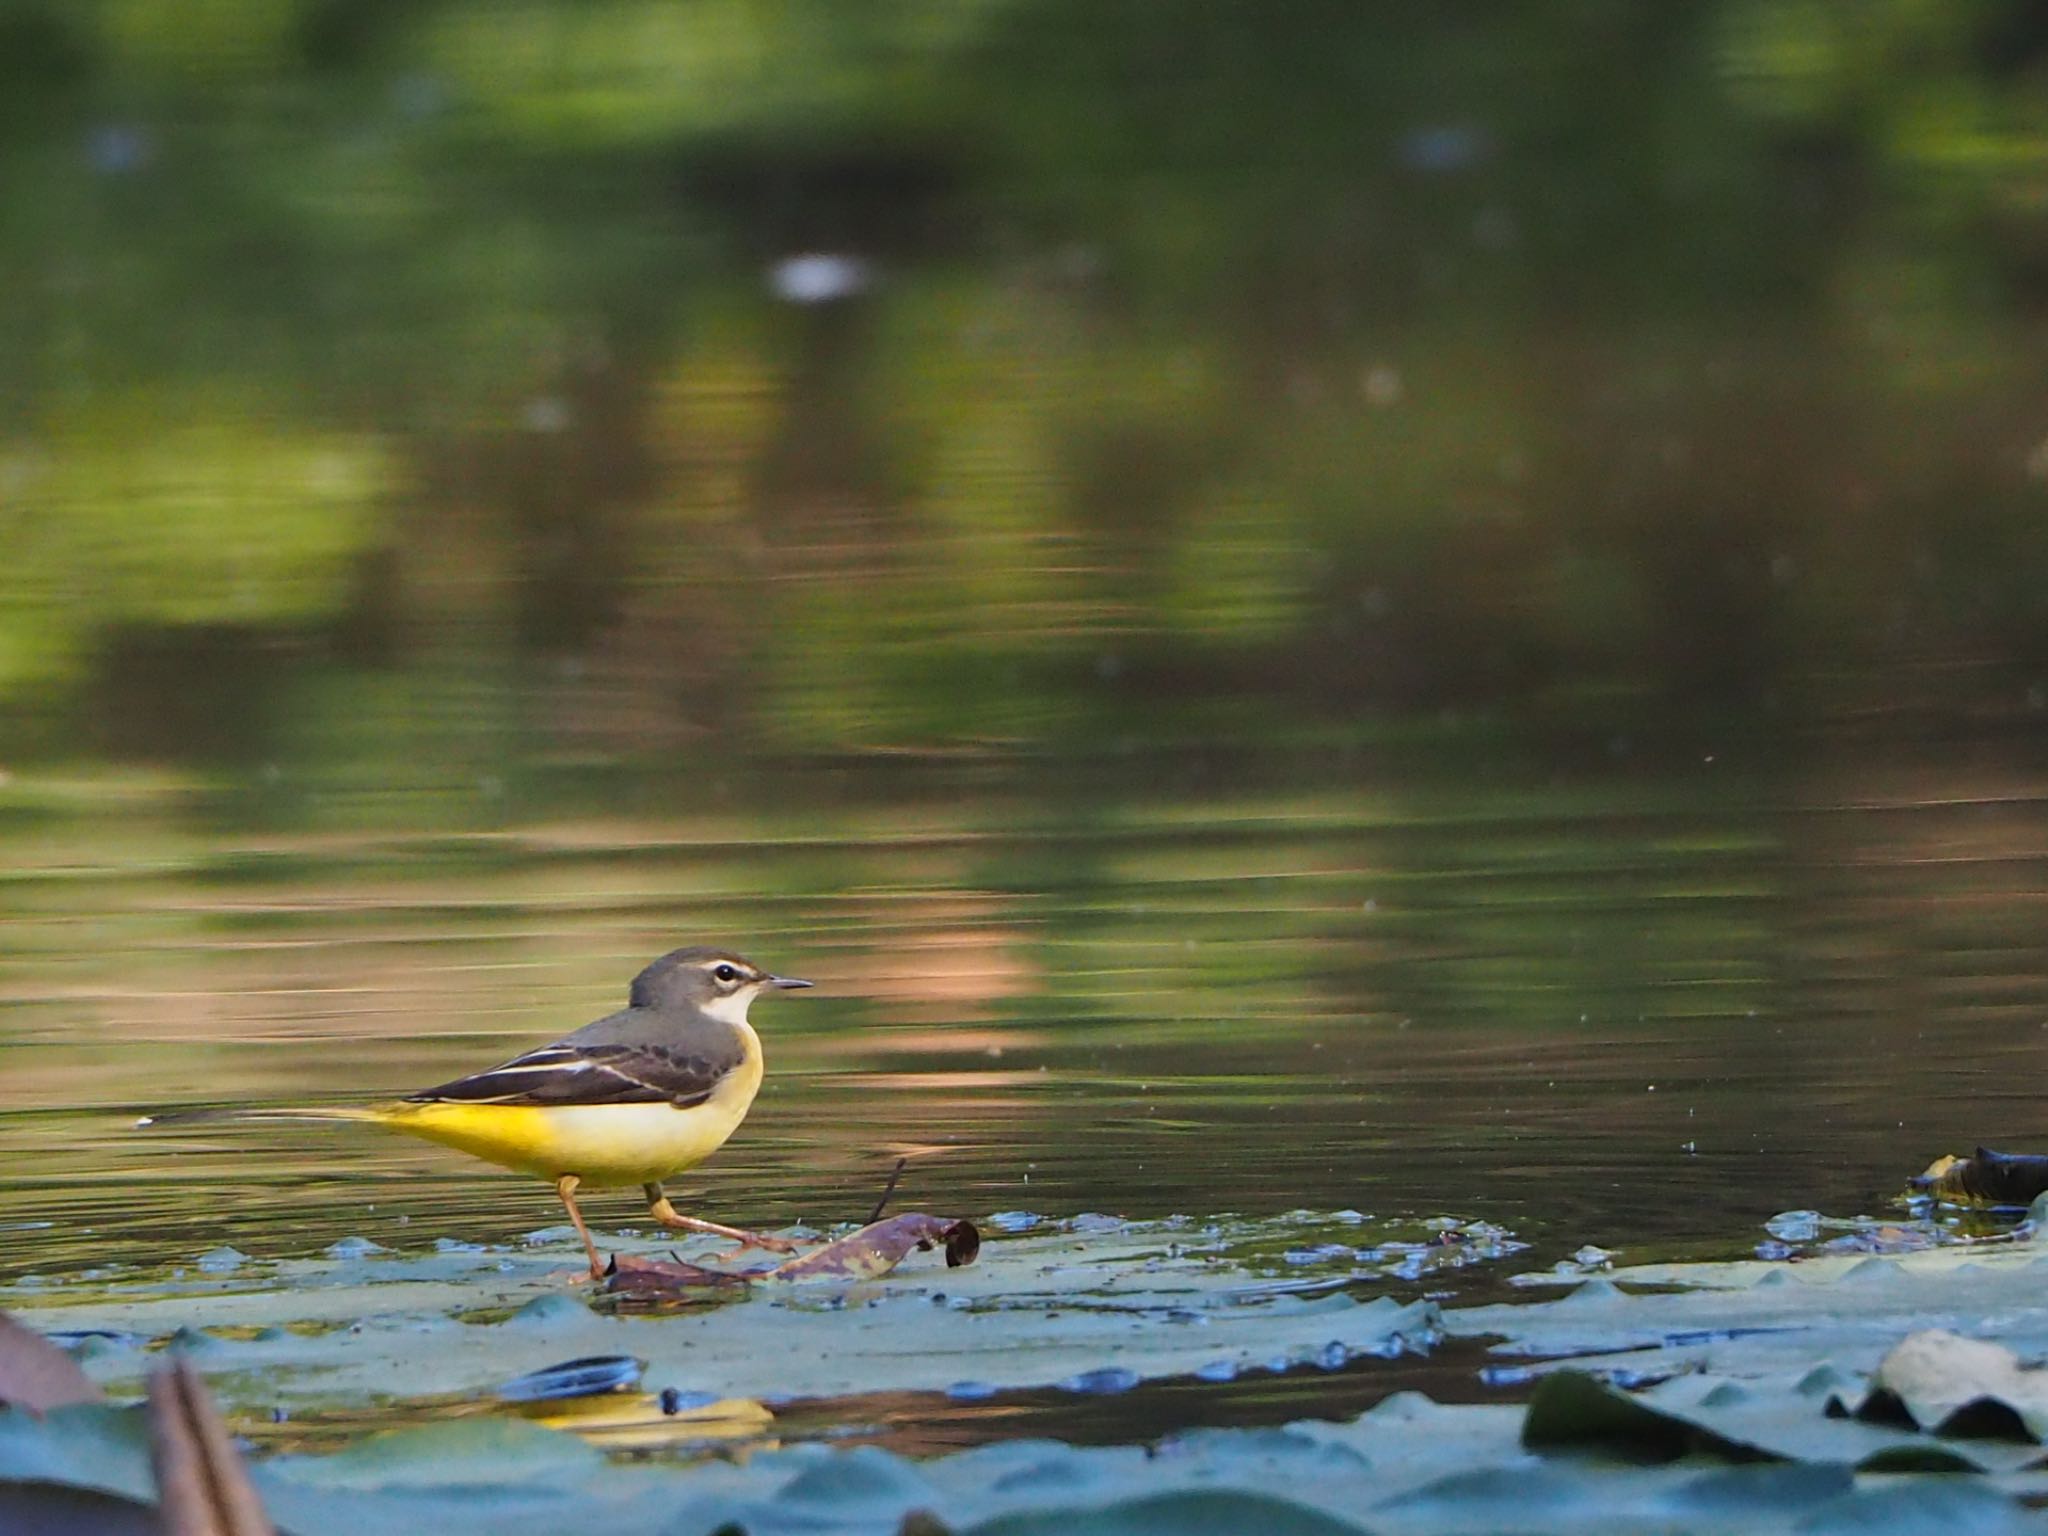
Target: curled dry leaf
pixel 876 1249
pixel 36 1374
pixel 864 1255
pixel 630 1275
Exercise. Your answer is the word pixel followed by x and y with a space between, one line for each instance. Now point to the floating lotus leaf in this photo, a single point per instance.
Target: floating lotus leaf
pixel 1409 1467
pixel 1144 1300
pixel 1951 1385
pixel 1745 1426
pixel 1759 1318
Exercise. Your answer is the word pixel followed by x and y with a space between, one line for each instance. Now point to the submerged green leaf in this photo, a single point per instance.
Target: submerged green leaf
pixel 475 1451
pixel 1190 1513
pixel 1573 1411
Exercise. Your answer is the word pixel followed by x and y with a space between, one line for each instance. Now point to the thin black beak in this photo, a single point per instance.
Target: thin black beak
pixel 788 983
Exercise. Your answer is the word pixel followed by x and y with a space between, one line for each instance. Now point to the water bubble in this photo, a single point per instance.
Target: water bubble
pixel 1794 1226
pixel 1109 1379
pixel 1096 1222
pixel 1322 1253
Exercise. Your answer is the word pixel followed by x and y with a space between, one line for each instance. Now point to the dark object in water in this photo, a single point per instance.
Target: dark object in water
pixel 1988 1178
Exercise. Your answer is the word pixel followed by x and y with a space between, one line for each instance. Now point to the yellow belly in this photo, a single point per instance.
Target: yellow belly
pixel 602 1144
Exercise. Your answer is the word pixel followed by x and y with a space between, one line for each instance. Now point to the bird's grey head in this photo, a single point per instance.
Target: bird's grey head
pixel 716 981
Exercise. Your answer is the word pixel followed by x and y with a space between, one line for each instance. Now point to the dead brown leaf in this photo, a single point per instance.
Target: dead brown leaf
pixel 864 1255
pixel 879 1247
pixel 630 1275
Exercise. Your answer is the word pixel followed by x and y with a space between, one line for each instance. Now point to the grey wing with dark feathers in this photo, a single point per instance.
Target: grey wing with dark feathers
pixel 629 1058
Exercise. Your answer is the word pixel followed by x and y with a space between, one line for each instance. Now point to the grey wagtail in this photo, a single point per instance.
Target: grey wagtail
pixel 635 1098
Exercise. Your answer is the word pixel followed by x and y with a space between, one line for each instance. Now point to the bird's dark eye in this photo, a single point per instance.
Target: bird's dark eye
pixel 725 972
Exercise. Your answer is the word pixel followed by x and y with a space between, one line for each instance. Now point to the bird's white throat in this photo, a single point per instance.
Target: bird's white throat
pixel 732 1008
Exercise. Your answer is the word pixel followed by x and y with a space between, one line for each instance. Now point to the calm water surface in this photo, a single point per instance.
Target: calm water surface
pixel 455 439
pixel 1645 1007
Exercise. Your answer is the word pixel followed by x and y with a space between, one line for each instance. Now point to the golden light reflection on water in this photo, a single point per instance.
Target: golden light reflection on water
pixel 1625 1017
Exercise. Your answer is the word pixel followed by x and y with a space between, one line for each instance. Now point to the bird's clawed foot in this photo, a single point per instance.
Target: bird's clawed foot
pixel 660 1209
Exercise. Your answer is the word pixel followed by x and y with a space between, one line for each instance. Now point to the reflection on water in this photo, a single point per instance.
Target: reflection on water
pixel 1293 605
pixel 1633 1007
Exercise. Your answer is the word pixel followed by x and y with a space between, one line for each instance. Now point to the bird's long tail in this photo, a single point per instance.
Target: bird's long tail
pixel 370 1112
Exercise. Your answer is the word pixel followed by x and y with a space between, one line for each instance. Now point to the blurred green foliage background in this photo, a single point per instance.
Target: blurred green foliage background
pixel 406 393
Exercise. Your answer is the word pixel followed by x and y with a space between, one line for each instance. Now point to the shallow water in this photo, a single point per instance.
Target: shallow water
pixel 1640 1006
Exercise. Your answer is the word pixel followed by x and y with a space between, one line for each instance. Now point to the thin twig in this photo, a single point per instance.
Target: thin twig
pixel 888 1189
